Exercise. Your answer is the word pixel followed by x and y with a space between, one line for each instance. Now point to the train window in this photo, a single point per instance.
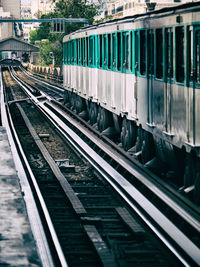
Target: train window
pixel 131 51
pixel 142 52
pixel 100 51
pixel 91 49
pixel 67 52
pixel 104 50
pixel 190 54
pixel 94 51
pixel 72 51
pixel 109 51
pixel 114 51
pixel 87 51
pixel 159 54
pixel 124 50
pixel 64 52
pixel 151 52
pixel 127 52
pixel 136 51
pixel 77 54
pixel 83 52
pixel 179 54
pixel 169 52
pixel 70 54
pixel 69 49
pixel 119 51
pixel 197 52
pixel 79 51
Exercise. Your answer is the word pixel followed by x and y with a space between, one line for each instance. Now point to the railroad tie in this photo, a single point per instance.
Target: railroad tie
pixel 105 255
pixel 130 221
pixel 17 100
pixel 76 203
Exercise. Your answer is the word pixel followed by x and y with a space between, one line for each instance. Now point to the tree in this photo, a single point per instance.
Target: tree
pixel 33 36
pixel 63 9
pixel 45 49
pixel 75 9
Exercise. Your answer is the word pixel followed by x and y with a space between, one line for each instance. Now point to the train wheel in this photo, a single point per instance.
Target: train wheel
pixel 148 150
pixel 128 134
pixel 93 113
pixel 84 113
pixel 139 140
pixel 81 107
pixel 67 97
pixel 197 189
pixel 189 173
pixel 78 104
pixel 72 101
pixel 103 120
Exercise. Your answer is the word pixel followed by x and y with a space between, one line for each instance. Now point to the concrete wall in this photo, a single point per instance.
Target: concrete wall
pixel 12 6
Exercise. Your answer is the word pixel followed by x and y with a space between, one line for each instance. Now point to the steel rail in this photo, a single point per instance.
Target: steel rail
pixel 137 173
pixel 40 80
pixel 31 206
pixel 33 215
pixel 128 192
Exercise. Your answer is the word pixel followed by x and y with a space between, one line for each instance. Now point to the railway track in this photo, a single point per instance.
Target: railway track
pixel 163 213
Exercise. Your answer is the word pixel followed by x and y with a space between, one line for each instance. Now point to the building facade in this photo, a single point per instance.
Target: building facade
pixel 10 9
pixel 6 29
pixel 34 10
pixel 39 7
pixel 121 8
pixel 12 6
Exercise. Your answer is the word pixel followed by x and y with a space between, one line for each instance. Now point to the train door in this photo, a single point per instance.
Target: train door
pixel 104 85
pixel 87 66
pixel 77 70
pixel 92 76
pixel 79 66
pixel 125 43
pixel 169 73
pixel 135 63
pixel 125 69
pixel 150 74
pixel 194 92
pixel 136 66
pixel 74 64
pixel 113 68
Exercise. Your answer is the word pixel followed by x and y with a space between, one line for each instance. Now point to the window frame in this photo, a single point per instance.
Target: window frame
pixel 177 61
pixel 145 52
pixel 119 63
pixel 157 58
pixel 114 51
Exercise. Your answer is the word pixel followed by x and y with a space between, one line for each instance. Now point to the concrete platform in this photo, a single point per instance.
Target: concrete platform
pixel 17 244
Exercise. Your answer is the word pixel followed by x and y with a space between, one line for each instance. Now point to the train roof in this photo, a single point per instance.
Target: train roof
pixel 182 8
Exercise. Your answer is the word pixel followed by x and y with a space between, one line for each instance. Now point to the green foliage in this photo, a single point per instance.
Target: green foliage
pixel 63 9
pixel 57 49
pixel 75 9
pixel 33 36
pixel 45 48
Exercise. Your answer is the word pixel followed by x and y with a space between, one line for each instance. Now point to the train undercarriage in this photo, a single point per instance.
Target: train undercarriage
pixel 180 168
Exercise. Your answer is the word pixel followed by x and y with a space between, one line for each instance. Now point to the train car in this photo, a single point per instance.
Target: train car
pixel 138 79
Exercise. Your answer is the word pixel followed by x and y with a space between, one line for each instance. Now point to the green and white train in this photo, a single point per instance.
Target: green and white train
pixel 138 79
